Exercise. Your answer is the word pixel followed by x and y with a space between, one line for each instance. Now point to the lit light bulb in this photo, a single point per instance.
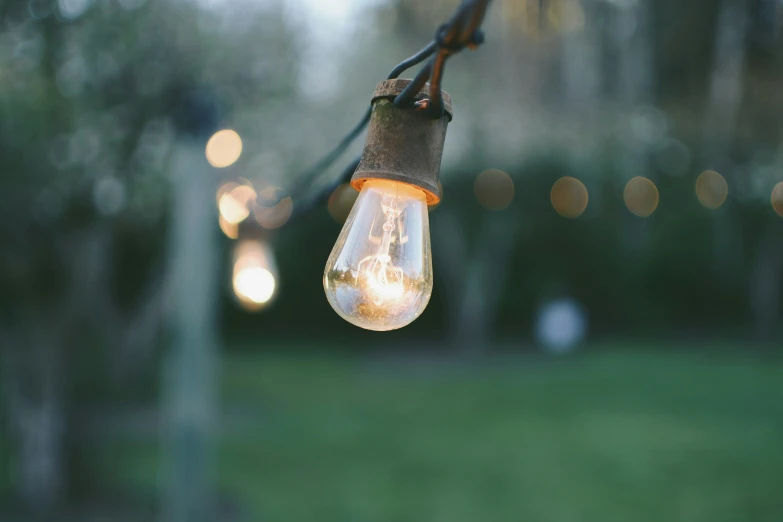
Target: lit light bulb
pixel 379 275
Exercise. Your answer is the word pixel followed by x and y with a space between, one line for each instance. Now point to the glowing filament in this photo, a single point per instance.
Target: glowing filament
pixel 383 278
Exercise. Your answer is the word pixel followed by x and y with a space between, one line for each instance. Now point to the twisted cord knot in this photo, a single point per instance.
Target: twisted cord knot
pixel 449 43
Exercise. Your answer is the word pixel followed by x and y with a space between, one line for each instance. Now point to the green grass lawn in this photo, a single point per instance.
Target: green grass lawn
pixel 626 437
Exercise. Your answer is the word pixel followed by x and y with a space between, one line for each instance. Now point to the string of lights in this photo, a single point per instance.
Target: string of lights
pixel 379 274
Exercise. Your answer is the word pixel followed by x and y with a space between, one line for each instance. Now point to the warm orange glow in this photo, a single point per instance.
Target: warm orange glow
pixel 379 274
pixel 255 284
pixel 341 202
pixel 711 189
pixel 254 275
pixel 569 197
pixel 225 188
pixel 777 199
pixel 641 196
pixel 436 205
pixel 224 148
pixel 231 230
pixel 494 189
pixel 235 205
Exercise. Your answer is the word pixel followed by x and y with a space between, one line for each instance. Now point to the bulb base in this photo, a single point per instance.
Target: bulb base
pixel 403 145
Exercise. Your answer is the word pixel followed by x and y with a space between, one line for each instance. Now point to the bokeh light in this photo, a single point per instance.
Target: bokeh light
pixel 494 189
pixel 641 196
pixel 711 189
pixel 256 284
pixel 254 275
pixel 561 325
pixel 777 199
pixel 341 202
pixel 275 216
pixel 224 189
pixel 569 197
pixel 224 148
pixel 72 9
pixel 270 213
pixel 235 205
pixel 231 230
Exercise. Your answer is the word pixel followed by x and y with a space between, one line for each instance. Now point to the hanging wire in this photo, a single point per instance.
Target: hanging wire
pixel 323 193
pixel 458 33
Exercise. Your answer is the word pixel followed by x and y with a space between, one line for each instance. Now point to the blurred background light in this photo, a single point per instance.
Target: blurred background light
pixel 641 196
pixel 109 196
pixel 268 194
pixel 569 197
pixel 561 325
pixel 777 199
pixel 231 230
pixel 270 213
pixel 254 284
pixel 224 189
pixel 341 202
pixel 711 189
pixel 224 148
pixel 494 189
pixel 71 9
pixel 235 205
pixel 254 274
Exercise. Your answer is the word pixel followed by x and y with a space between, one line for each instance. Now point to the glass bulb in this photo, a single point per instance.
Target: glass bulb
pixel 379 275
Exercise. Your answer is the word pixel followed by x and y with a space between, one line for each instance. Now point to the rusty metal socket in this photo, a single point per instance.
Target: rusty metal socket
pixel 403 144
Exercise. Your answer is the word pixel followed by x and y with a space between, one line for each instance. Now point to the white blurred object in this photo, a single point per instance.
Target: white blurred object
pixel 561 325
pixel 109 196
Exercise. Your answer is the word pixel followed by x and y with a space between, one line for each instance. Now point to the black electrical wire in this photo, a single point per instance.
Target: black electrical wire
pixel 306 179
pixel 325 192
pixel 416 59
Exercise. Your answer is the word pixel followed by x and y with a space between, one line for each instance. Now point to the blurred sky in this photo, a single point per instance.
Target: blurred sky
pixel 332 28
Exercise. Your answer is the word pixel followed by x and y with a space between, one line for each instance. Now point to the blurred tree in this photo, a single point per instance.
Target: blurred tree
pixel 86 133
pixel 476 273
pixel 190 375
